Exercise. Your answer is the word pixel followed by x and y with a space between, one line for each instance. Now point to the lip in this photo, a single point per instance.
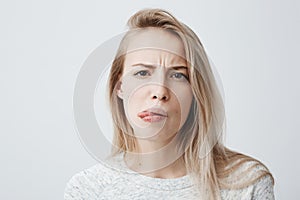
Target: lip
pixel 153 115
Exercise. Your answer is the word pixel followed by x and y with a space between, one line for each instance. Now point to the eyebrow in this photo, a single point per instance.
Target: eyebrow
pixel 153 66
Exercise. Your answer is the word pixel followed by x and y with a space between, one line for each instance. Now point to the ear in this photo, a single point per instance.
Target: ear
pixel 119 90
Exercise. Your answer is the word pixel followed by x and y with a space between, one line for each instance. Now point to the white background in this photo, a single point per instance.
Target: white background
pixel 254 45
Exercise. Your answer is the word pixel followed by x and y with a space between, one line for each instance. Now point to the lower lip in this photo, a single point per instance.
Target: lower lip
pixel 154 118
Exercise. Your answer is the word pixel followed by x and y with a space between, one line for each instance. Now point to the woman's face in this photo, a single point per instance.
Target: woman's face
pixel 155 86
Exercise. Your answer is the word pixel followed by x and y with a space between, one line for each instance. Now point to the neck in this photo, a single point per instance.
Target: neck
pixel 156 159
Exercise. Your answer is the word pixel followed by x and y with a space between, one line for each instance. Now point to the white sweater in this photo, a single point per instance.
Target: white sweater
pixel 102 181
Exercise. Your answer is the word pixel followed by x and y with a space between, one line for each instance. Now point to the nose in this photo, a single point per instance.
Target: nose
pixel 160 93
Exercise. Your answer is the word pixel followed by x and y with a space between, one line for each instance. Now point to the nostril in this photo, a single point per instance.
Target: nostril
pixel 160 98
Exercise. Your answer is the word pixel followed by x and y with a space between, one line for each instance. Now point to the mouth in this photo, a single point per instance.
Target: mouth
pixel 153 115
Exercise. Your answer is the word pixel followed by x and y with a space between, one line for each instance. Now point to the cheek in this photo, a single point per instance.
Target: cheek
pixel 134 102
pixel 130 87
pixel 184 101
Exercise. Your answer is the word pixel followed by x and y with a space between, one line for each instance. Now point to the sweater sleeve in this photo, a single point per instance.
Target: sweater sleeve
pixel 264 189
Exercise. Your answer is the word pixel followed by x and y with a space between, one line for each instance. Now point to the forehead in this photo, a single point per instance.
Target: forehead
pixel 153 56
pixel 155 39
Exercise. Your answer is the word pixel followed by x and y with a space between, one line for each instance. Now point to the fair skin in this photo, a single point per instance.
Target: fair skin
pixel 157 97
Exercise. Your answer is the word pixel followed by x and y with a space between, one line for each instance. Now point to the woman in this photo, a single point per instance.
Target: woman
pixel 168 118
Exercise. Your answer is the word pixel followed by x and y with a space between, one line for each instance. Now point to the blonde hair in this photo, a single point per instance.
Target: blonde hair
pixel 211 164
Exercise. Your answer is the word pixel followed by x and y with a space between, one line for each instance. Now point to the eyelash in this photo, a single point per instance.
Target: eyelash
pixel 183 75
pixel 139 73
pixel 142 71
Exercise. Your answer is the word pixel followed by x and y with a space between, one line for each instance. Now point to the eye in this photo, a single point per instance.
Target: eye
pixel 179 76
pixel 142 73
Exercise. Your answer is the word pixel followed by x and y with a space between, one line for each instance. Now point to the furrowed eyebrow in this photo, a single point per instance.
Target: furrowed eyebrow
pixel 144 65
pixel 153 66
pixel 179 67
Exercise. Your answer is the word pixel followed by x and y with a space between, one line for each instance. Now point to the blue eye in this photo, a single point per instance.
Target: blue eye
pixel 142 73
pixel 179 76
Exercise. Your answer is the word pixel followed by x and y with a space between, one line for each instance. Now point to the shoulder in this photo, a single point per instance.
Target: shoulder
pixel 90 182
pixel 260 189
pixel 264 188
pixel 244 175
pixel 240 167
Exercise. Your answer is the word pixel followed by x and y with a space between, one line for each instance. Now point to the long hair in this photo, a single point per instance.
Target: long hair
pixel 211 165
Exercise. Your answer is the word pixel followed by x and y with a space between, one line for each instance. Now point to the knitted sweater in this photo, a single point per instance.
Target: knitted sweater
pixel 102 181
